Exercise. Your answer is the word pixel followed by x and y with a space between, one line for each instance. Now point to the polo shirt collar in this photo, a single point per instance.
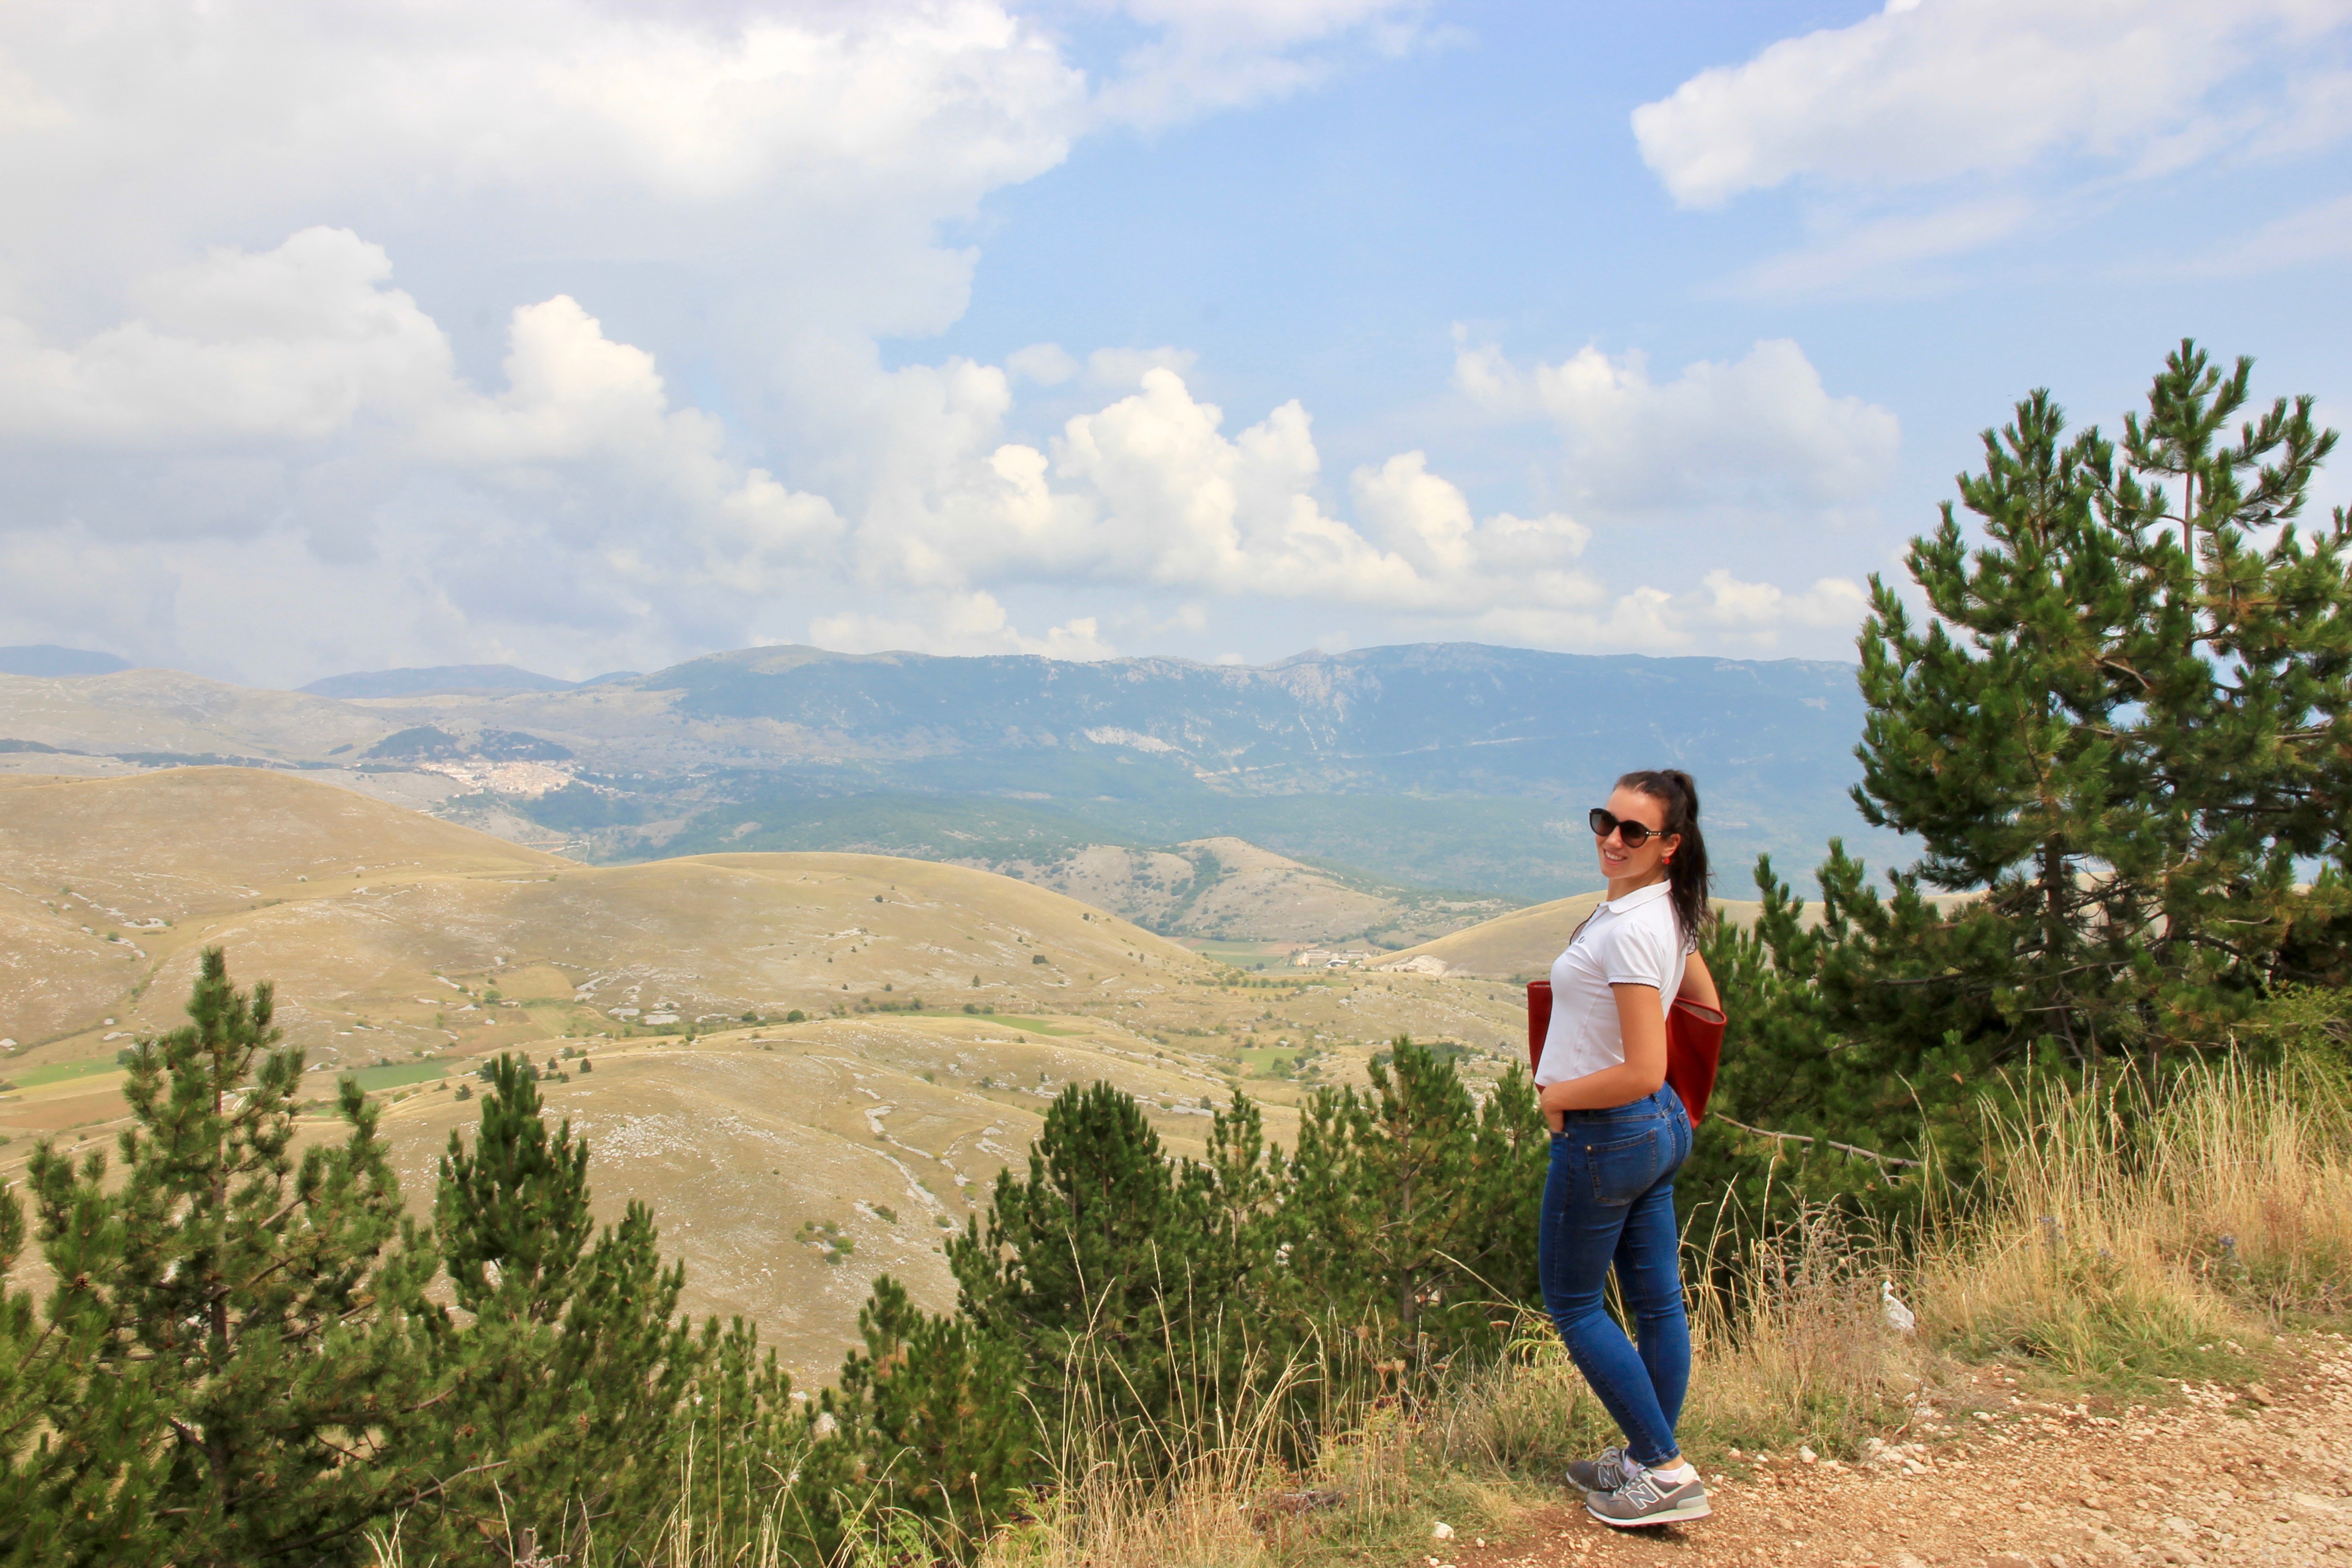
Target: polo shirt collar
pixel 1638 897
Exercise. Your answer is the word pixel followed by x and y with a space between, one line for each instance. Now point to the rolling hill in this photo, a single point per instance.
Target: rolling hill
pixel 359 908
pixel 1229 889
pixel 1518 945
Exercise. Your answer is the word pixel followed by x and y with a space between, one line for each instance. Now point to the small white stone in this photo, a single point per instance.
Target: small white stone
pixel 1443 1532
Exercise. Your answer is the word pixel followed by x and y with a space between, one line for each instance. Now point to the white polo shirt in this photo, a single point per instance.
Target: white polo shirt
pixel 1631 941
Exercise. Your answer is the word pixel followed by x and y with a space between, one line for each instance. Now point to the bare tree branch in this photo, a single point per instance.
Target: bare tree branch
pixel 1884 1160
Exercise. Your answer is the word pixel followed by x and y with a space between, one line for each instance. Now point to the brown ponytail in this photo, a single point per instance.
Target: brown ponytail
pixel 1688 879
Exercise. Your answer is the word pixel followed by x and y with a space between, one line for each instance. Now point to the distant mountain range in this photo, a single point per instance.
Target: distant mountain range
pixel 440 679
pixel 50 661
pixel 1454 766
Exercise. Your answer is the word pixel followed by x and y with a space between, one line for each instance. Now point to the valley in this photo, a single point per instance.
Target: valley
pixel 804 944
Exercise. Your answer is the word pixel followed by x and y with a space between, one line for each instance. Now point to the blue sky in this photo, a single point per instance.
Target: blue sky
pixel 589 335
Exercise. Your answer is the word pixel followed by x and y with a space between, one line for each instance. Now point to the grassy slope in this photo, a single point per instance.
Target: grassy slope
pixel 84 858
pixel 384 957
pixel 884 1126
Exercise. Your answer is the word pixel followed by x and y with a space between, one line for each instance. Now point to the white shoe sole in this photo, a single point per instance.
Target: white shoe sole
pixel 1691 1510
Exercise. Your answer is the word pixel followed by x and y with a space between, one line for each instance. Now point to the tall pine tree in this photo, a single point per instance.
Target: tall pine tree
pixel 564 1369
pixel 2121 732
pixel 1083 1262
pixel 1413 1211
pixel 231 1348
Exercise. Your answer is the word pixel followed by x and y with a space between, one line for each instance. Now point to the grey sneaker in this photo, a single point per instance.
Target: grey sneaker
pixel 1645 1499
pixel 1605 1474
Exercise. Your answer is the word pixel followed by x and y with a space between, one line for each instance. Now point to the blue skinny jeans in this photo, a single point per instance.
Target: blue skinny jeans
pixel 1611 1199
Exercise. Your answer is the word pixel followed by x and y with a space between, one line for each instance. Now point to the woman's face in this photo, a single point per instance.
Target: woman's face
pixel 1620 863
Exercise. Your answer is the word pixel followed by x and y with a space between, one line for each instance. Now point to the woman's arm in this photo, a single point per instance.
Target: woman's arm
pixel 1641 1024
pixel 1698 983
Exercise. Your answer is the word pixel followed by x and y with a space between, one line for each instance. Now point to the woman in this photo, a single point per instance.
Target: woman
pixel 1618 1134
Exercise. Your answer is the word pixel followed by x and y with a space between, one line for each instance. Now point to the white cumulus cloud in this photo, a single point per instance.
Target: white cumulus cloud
pixel 1153 489
pixel 286 344
pixel 1723 612
pixel 295 395
pixel 1205 55
pixel 1761 425
pixel 965 624
pixel 560 124
pixel 1929 90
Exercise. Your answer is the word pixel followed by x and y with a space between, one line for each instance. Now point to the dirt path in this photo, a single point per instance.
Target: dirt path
pixel 2261 1476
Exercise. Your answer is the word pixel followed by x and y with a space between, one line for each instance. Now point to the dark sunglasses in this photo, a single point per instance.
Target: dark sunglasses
pixel 1633 835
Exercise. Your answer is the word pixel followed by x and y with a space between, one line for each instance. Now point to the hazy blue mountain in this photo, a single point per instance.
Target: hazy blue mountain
pixel 1444 764
pixel 437 679
pixel 49 661
pixel 1448 719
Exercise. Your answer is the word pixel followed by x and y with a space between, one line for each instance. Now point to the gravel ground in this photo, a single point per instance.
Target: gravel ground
pixel 2260 1475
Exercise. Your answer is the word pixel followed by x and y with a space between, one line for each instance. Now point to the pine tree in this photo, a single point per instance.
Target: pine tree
pixel 1510 1157
pixel 1247 1329
pixel 1412 1211
pixel 749 1449
pixel 1082 1263
pixel 1238 1192
pixel 2124 722
pixel 240 1362
pixel 2248 701
pixel 230 1348
pixel 565 1373
pixel 935 1408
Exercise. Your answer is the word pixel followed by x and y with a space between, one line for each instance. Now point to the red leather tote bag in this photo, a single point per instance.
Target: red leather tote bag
pixel 1694 1044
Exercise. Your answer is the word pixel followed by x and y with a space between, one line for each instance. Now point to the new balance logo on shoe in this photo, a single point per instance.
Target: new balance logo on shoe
pixel 1644 1499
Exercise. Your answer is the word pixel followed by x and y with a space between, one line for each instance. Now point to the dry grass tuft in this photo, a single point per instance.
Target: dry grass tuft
pixel 2124 1233
pixel 1800 1350
pixel 1103 1515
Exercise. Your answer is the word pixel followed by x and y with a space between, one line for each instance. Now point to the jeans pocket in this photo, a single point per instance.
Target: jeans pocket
pixel 1624 1168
